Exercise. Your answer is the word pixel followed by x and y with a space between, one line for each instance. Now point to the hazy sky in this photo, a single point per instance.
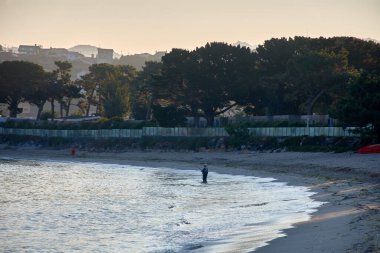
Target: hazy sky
pixel 136 26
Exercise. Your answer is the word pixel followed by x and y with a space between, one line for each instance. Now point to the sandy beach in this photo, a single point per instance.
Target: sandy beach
pixel 348 183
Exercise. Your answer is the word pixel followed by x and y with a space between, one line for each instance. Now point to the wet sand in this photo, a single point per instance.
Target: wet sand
pixel 349 183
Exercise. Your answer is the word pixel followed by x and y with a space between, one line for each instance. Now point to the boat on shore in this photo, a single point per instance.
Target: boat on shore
pixel 371 149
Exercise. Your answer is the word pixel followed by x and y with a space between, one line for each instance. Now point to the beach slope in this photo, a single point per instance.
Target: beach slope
pixel 348 183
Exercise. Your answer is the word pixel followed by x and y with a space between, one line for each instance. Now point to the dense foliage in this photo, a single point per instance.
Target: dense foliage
pixel 361 105
pixel 282 76
pixel 18 81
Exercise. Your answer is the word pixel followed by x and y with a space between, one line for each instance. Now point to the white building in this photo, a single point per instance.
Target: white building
pixel 31 50
pixel 104 55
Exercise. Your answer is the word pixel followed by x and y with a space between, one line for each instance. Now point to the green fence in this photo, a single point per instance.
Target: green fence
pixel 302 131
pixel 101 133
pixel 179 132
pixel 119 133
pixel 184 132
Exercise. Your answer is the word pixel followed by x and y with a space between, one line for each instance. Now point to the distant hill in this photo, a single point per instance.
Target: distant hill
pixel 138 60
pixel 88 50
pixel 135 60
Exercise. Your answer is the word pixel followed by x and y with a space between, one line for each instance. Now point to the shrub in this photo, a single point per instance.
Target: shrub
pixel 170 116
pixel 46 115
pixel 238 136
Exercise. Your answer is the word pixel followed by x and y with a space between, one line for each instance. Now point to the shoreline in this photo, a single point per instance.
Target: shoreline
pixel 349 221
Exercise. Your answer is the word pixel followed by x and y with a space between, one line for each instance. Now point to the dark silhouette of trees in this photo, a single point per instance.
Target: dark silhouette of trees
pixel 314 74
pixel 361 106
pixel 65 89
pixel 18 80
pixel 108 87
pixel 39 93
pixel 90 87
pixel 62 78
pixel 169 116
pixel 92 82
pixel 272 62
pixel 25 81
pixel 283 76
pixel 70 92
pixel 142 90
pixel 207 81
pixel 292 70
pixel 225 77
pixel 115 92
pixel 170 88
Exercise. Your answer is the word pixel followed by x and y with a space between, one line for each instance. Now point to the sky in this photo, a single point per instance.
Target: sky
pixel 138 26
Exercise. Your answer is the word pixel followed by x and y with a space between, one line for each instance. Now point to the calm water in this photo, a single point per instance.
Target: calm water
pixel 50 206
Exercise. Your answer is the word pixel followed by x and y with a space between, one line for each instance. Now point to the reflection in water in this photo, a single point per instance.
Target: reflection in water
pixel 90 207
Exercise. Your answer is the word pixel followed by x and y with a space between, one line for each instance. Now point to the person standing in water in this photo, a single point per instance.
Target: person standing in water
pixel 204 173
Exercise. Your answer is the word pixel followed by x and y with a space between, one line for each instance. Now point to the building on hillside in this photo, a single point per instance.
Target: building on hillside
pixel 7 56
pixel 30 50
pixel 57 52
pixel 104 55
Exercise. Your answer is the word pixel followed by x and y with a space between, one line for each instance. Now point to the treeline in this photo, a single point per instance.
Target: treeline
pixel 22 81
pixel 300 75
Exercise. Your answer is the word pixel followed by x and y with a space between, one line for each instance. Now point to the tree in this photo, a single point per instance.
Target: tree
pixel 109 88
pixel 40 92
pixel 225 76
pixel 17 79
pixel 63 89
pixel 170 87
pixel 169 116
pixel 314 74
pixel 142 91
pixel 70 92
pixel 361 106
pixel 115 93
pixel 92 82
pixel 115 98
pixel 207 81
pixel 279 59
pixel 90 86
pixel 272 61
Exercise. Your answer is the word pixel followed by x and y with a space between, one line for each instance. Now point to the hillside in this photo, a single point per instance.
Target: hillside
pixel 138 60
pixel 89 50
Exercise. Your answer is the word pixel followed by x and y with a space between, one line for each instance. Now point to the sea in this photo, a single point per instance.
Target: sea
pixel 57 206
